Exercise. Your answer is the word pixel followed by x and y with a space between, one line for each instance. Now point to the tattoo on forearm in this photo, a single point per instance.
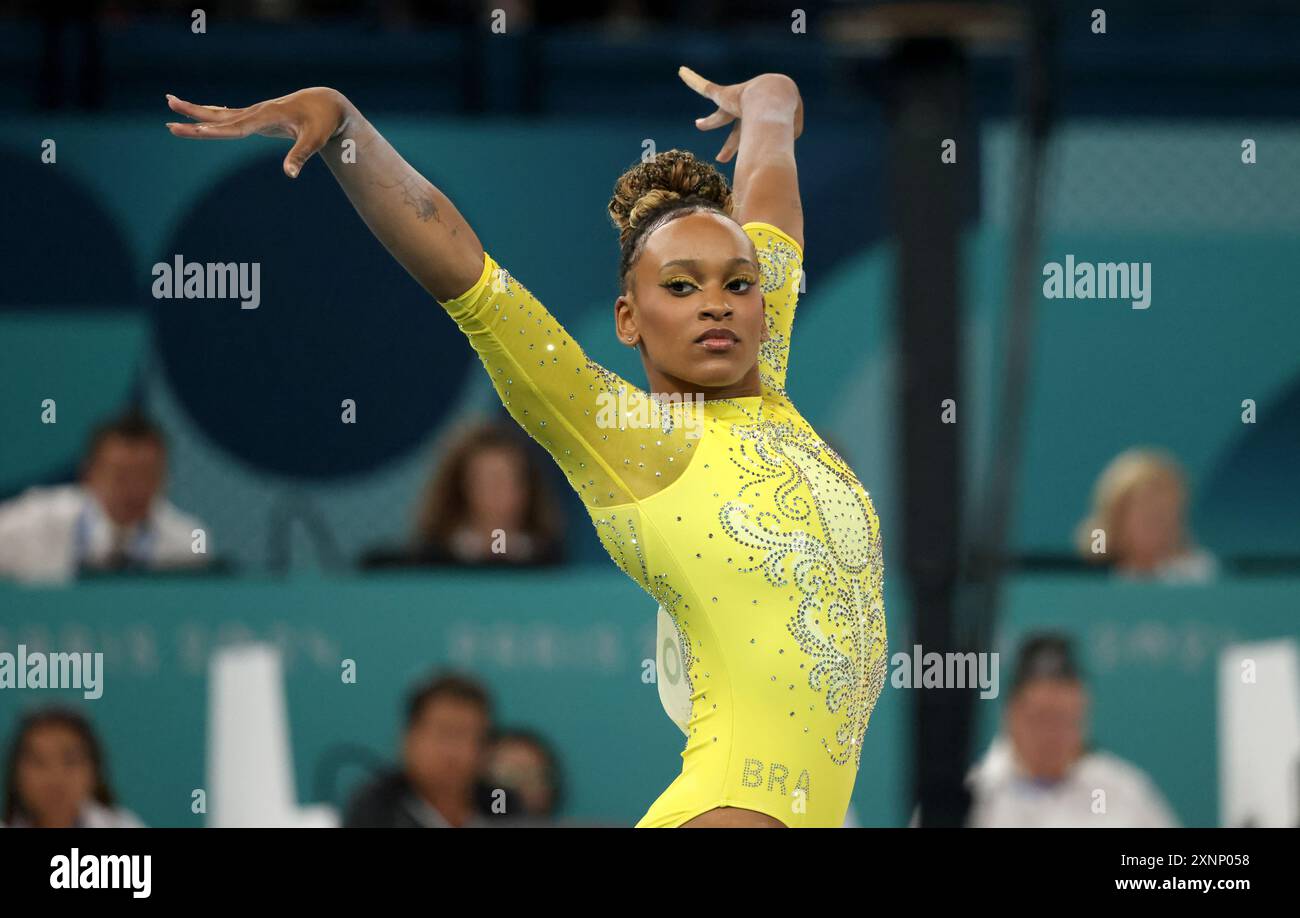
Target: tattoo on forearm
pixel 417 196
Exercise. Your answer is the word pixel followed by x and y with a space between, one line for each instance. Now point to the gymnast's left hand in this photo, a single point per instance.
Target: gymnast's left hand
pixel 756 97
pixel 309 117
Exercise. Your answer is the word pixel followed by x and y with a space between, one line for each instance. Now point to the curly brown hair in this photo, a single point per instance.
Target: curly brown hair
pixel 651 193
pixel 445 504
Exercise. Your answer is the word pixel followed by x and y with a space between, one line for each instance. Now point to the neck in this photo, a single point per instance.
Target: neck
pixel 666 385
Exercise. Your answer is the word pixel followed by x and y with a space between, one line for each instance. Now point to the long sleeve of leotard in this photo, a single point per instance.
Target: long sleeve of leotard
pixel 781 260
pixel 584 415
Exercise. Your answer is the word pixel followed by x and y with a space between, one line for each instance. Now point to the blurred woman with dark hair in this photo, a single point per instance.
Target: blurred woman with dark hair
pixel 488 503
pixel 56 777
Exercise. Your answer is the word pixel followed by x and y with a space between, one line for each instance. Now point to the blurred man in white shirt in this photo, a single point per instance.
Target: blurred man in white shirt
pixel 1039 773
pixel 115 519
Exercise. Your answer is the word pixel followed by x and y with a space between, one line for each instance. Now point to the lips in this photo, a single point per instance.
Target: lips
pixel 718 339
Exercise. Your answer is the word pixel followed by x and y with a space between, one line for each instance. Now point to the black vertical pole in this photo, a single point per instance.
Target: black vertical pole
pixel 926 104
pixel 990 551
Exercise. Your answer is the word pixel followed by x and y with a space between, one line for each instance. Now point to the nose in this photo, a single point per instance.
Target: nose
pixel 716 311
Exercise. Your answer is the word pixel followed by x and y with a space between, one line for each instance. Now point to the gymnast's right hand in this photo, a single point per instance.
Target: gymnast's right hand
pixel 309 117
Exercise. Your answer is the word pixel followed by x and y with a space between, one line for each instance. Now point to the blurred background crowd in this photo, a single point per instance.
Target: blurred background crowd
pixel 174 477
pixel 488 487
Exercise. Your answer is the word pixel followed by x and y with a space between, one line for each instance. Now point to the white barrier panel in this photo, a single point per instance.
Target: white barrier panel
pixel 1259 735
pixel 250 764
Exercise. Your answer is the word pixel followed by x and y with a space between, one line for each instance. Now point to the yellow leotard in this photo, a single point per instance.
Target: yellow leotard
pixel 757 540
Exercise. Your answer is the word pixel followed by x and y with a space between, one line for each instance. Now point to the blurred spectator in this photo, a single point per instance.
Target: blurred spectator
pixel 444 749
pixel 488 504
pixel 1139 503
pixel 1039 773
pixel 56 776
pixel 526 765
pixel 115 519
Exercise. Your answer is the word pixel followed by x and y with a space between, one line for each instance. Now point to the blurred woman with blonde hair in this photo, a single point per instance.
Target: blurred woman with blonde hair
pixel 1137 524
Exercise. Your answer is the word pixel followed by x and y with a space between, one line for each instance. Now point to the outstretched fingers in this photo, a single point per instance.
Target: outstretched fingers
pixel 212 130
pixel 202 112
pixel 728 111
pixel 211 122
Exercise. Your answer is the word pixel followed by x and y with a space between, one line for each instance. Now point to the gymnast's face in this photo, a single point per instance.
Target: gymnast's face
pixel 694 306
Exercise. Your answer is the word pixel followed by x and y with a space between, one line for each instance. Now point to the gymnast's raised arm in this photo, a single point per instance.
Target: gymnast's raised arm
pixel 767 112
pixel 415 221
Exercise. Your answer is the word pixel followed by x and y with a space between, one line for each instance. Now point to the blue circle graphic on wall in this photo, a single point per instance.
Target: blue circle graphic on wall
pixel 300 313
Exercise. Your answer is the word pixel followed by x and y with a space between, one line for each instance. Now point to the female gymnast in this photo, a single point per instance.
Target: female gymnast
pixel 710 490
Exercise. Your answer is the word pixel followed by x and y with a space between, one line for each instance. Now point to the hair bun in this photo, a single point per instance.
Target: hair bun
pixel 657 184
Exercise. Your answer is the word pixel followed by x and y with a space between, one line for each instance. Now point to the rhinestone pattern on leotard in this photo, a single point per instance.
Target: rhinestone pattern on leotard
pixel 782 272
pixel 822 537
pixel 618 534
